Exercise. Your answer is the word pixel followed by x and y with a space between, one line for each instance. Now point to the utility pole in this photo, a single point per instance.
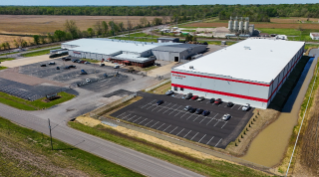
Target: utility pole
pixel 50 134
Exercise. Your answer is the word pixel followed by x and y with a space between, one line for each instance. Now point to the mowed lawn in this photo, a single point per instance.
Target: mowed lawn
pixel 303 35
pixel 24 152
pixel 37 53
pixel 39 104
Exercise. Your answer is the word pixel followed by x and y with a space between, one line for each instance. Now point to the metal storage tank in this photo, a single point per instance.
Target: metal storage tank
pixel 241 24
pixel 230 25
pixel 246 27
pixel 236 24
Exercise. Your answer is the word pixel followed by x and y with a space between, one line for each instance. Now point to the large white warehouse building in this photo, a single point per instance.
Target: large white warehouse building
pixel 251 71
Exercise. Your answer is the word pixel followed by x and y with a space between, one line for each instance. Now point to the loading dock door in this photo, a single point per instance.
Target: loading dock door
pixel 176 59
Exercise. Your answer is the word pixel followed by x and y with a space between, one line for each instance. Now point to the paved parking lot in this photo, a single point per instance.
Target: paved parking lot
pixel 171 118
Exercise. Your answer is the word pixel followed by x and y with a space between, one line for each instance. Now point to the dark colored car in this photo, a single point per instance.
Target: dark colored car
pixel 75 60
pixel 57 68
pixel 194 97
pixel 102 64
pixel 187 96
pixel 212 100
pixel 205 113
pixel 82 62
pixel 66 59
pixel 230 104
pixel 43 65
pixel 51 63
pixel 199 111
pixel 67 67
pixel 72 66
pixel 169 92
pixel 192 110
pixel 218 101
pixel 187 108
pixel 201 99
pixel 159 102
pixel 83 72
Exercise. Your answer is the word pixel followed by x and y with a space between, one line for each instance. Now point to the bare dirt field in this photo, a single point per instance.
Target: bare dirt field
pixel 10 39
pixel 260 25
pixel 39 24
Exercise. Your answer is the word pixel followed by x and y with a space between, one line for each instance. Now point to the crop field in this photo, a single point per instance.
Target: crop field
pixel 10 39
pixel 293 20
pixel 39 24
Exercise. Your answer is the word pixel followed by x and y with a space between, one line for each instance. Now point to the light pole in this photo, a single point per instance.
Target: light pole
pixel 50 133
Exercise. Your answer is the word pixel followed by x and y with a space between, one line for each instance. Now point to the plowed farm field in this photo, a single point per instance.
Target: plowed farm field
pixel 40 24
pixel 260 25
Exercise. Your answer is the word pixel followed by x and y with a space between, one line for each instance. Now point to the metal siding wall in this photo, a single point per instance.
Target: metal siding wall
pixel 162 55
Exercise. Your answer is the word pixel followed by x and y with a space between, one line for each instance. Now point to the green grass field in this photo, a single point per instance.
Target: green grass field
pixel 206 167
pixel 9 53
pixel 90 60
pixel 299 36
pixel 24 152
pixel 39 104
pixel 6 59
pixel 37 53
pixel 54 48
pixel 142 35
pixel 307 46
pixel 3 67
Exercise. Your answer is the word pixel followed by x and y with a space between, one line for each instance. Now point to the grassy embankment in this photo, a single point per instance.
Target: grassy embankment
pixel 90 60
pixel 6 59
pixel 299 35
pixel 24 152
pixel 293 137
pixel 37 53
pixel 39 104
pixel 3 67
pixel 206 167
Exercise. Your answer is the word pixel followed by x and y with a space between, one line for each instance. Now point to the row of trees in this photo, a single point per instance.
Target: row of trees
pixel 190 12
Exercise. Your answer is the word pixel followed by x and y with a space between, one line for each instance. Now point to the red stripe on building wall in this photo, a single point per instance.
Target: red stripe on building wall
pixel 219 78
pixel 221 93
pixel 285 76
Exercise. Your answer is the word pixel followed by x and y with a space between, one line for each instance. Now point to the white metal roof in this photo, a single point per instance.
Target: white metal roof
pixel 259 60
pixel 110 46
pixel 130 57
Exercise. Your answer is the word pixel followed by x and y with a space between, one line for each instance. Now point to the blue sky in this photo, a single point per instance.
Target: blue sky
pixel 148 2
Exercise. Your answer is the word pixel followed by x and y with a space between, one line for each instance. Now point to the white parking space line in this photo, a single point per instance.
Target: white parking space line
pixel 187 133
pixel 180 132
pixel 225 105
pixel 218 142
pixel 183 115
pixel 217 122
pixel 148 122
pixel 156 107
pixel 175 109
pixel 148 104
pixel 196 118
pixel 189 116
pixel 194 136
pixel 202 138
pixel 210 140
pixel 210 121
pixel 202 120
pixel 126 116
pixel 239 107
pixel 232 107
pixel 163 107
pixel 119 116
pixel 166 128
pixel 160 126
pixel 173 129
pixel 131 118
pixel 224 125
pixel 143 121
pixel 169 108
pixel 137 119
pixel 154 124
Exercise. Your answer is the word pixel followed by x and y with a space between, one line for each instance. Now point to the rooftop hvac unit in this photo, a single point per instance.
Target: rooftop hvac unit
pixel 191 67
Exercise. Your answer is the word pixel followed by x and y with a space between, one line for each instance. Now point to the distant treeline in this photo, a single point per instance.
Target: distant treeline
pixel 183 12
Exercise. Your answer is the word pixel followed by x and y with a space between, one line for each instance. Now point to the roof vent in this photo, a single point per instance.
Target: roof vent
pixel 247 48
pixel 191 67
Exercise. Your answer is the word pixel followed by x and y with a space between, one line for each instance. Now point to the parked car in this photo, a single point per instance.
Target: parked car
pixel 205 113
pixel 212 100
pixel 102 64
pixel 230 104
pixel 82 61
pixel 75 60
pixel 192 110
pixel 116 66
pixel 72 66
pixel 78 61
pixel 87 62
pixel 187 108
pixel 159 102
pixel 66 59
pixel 57 68
pixel 83 72
pixel 194 97
pixel 67 67
pixel 226 117
pixel 187 96
pixel 43 65
pixel 218 101
pixel 201 99
pixel 246 107
pixel 52 63
pixel 169 92
pixel 199 111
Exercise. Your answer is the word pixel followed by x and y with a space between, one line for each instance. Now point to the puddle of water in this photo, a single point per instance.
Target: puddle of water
pixel 269 146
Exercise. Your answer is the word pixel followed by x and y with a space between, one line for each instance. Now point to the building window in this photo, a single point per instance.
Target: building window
pixel 175 88
pixel 182 89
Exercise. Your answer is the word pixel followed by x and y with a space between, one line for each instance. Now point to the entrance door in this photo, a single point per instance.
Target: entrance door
pixel 176 59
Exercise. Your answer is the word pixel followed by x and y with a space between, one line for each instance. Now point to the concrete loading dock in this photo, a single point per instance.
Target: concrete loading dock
pixel 251 71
